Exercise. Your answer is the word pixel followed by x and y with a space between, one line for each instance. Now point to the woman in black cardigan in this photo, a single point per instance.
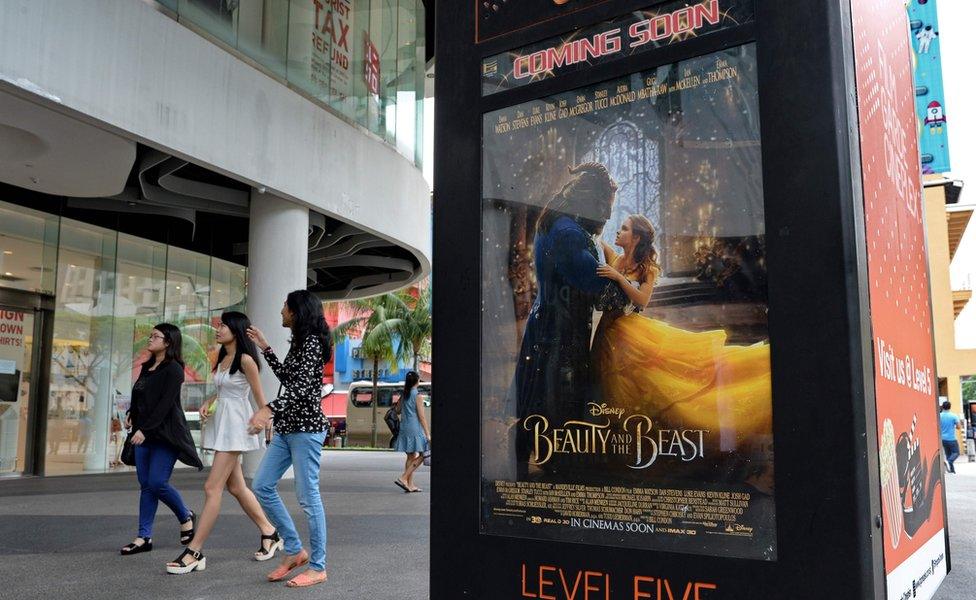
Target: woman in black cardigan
pixel 160 436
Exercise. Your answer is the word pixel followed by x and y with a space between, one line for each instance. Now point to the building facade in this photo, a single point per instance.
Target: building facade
pixel 170 160
pixel 947 221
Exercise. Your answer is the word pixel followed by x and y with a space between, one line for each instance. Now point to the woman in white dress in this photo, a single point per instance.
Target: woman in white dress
pixel 226 432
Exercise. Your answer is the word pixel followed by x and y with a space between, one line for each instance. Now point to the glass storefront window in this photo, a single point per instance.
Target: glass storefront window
pixel 139 305
pixel 263 33
pixel 365 59
pixel 188 307
pixel 387 46
pixel 81 360
pixel 28 249
pixel 218 17
pixel 110 290
pixel 228 287
pixel 406 93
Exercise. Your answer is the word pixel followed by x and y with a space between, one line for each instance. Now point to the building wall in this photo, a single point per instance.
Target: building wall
pixel 125 66
pixel 951 362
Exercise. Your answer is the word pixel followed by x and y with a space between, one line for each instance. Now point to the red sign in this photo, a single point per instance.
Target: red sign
pixel 371 67
pixel 901 316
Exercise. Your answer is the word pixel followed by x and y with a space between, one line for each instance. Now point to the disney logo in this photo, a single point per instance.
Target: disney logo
pixel 598 410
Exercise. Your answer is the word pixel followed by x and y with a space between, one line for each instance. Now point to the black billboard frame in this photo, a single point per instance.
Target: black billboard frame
pixel 827 481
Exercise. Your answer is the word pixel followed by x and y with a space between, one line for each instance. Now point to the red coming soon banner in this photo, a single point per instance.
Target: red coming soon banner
pixel 901 319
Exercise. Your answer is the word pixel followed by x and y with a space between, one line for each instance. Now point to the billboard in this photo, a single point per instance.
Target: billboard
pixel 912 492
pixel 500 17
pixel 625 374
pixel 933 130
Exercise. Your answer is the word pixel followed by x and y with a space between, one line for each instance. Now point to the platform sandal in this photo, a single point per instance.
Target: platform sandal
pixel 187 536
pixel 177 567
pixel 134 548
pixel 276 544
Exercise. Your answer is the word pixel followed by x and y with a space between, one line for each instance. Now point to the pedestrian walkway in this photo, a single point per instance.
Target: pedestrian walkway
pixel 59 538
pixel 961 499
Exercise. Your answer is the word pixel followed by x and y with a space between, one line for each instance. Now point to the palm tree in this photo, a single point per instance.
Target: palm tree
pixel 416 325
pixel 380 319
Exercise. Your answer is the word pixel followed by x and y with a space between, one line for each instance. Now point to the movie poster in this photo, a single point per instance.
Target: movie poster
pixel 912 494
pixel 625 377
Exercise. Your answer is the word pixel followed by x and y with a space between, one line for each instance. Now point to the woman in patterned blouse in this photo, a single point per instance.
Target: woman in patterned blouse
pixel 299 434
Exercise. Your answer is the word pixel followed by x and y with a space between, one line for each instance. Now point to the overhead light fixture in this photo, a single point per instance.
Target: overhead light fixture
pixel 8 252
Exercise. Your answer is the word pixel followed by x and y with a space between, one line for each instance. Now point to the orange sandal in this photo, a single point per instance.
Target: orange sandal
pixel 300 560
pixel 307 578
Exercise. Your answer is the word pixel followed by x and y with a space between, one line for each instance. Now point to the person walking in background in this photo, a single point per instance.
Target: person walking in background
pixel 414 434
pixel 160 435
pixel 950 423
pixel 226 432
pixel 299 432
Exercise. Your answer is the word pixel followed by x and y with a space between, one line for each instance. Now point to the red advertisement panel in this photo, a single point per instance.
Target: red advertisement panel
pixel 901 320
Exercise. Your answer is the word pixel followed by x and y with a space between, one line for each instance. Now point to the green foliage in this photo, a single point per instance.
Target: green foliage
pixel 394 327
pixel 969 389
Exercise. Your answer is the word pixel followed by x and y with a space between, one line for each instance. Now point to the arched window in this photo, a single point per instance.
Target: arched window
pixel 634 163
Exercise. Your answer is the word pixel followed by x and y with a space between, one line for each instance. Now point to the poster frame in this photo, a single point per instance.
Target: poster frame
pixel 827 478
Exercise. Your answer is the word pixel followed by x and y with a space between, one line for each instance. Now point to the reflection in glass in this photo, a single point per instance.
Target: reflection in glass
pixel 217 17
pixel 188 307
pixel 365 59
pixel 140 289
pixel 262 32
pixel 111 289
pixel 81 370
pixel 28 249
pixel 309 49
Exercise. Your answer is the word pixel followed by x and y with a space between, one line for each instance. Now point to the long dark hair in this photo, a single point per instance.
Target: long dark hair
pixel 645 256
pixel 238 323
pixel 174 344
pixel 308 319
pixel 580 197
pixel 409 382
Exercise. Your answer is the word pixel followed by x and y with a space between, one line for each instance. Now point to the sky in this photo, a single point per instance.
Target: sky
pixel 956 35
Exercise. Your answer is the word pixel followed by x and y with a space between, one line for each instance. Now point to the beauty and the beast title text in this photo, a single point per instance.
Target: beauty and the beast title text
pixel 634 436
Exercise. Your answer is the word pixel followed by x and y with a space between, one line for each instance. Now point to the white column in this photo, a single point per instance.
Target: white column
pixel 277 261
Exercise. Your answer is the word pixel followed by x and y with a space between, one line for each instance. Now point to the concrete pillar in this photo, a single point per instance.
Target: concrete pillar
pixel 277 261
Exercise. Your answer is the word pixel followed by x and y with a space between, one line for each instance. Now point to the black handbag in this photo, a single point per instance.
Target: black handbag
pixel 128 456
pixel 392 421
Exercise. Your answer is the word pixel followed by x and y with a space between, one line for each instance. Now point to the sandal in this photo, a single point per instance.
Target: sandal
pixel 134 548
pixel 284 569
pixel 268 553
pixel 178 567
pixel 307 579
pixel 187 536
pixel 401 485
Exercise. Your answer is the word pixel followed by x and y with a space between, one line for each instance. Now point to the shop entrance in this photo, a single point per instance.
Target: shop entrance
pixel 25 353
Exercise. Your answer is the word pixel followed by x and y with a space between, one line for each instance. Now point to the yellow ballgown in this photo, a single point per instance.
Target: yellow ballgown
pixel 684 379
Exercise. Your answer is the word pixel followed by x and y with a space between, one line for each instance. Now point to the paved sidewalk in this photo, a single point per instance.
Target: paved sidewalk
pixel 59 538
pixel 961 499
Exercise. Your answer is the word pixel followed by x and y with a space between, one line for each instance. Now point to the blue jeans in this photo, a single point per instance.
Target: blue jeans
pixel 304 451
pixel 154 465
pixel 951 449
